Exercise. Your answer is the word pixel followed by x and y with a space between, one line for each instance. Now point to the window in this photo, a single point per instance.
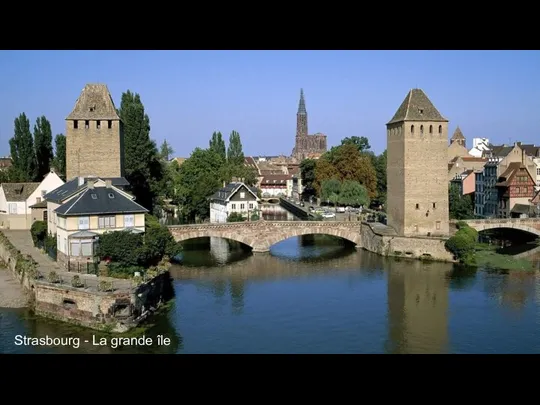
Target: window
pixel 86 247
pixel 75 248
pixel 438 225
pixel 86 124
pixel 431 129
pixel 250 206
pixel 538 171
pixel 109 124
pixel 412 129
pixel 45 215
pixel 421 129
pixel 98 124
pixel 94 196
pixel 440 129
pixel 84 223
pixel 13 208
pixel 417 206
pixel 111 195
pixel 75 124
pixel 518 190
pixel 233 206
pixel 107 222
pixel 416 228
pixel 434 205
pixel 129 220
pixel 242 195
pixel 525 190
pixel 242 206
pixel 38 200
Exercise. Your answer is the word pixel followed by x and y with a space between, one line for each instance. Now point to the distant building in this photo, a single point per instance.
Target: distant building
pixel 515 190
pixel 479 146
pixel 234 197
pixel 306 144
pixel 20 202
pixel 461 164
pixel 178 160
pixel 465 182
pixel 457 145
pixel 276 185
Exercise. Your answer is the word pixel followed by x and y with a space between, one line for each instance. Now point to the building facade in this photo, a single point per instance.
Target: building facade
pixel 306 144
pixel 515 186
pixel 94 136
pixel 234 198
pixel 418 168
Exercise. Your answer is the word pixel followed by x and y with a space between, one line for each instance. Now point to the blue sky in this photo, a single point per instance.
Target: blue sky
pixel 190 94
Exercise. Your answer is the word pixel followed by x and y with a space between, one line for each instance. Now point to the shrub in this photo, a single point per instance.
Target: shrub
pixel 105 286
pixel 77 282
pixel 463 243
pixel 461 225
pixel 121 247
pixel 38 230
pixel 235 217
pixel 53 277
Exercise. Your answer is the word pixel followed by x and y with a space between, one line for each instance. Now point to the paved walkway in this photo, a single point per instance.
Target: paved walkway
pixel 22 240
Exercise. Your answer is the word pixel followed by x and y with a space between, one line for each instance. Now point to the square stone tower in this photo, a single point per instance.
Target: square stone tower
pixel 417 168
pixel 94 136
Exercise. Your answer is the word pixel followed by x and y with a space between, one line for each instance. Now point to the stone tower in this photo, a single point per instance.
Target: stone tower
pixel 458 138
pixel 417 168
pixel 94 136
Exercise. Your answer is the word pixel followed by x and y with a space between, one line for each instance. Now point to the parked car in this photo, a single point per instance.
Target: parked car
pixel 340 209
pixel 328 215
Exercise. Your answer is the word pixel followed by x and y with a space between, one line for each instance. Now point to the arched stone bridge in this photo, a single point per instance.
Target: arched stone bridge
pixel 261 235
pixel 531 225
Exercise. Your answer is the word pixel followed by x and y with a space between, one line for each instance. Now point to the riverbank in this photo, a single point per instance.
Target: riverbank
pixel 11 294
pixel 100 303
pixel 486 256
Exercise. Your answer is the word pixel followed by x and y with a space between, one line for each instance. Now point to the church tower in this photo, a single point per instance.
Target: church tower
pixel 301 117
pixel 417 168
pixel 94 136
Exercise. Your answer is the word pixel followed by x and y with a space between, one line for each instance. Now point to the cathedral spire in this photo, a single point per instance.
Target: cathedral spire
pixel 302 103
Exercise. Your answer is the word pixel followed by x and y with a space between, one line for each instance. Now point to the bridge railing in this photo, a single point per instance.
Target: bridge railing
pixel 254 224
pixel 503 221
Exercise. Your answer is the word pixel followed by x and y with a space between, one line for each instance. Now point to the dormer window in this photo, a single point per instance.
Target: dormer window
pixel 421 110
pixel 94 196
pixel 91 109
pixel 111 195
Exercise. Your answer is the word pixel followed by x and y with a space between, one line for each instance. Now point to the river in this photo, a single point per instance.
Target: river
pixel 317 294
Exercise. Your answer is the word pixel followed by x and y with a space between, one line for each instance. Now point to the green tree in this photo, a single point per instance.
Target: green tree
pixel 198 179
pixel 217 144
pixel 307 174
pixel 143 168
pixel 165 151
pixel 22 150
pixel 379 163
pixel 353 193
pixel 235 154
pixel 361 142
pixel 460 206
pixel 43 147
pixel 59 162
pixel 330 187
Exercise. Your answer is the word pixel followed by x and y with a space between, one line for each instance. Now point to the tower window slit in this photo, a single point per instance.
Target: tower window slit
pixel 109 124
pixel 86 124
pixel 98 124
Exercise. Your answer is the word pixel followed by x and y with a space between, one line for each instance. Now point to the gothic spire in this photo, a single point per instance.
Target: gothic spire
pixel 302 103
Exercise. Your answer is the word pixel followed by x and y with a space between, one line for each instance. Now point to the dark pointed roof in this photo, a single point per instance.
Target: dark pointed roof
pixel 302 103
pixel 94 103
pixel 417 107
pixel 458 134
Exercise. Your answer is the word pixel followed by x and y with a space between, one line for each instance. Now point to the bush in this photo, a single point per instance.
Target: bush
pixel 53 277
pixel 463 243
pixel 77 282
pixel 122 247
pixel 235 217
pixel 105 286
pixel 38 230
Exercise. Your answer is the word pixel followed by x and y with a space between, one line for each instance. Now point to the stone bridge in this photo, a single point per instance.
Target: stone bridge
pixel 530 225
pixel 261 235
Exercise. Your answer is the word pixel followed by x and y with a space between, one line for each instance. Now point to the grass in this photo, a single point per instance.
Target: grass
pixel 486 256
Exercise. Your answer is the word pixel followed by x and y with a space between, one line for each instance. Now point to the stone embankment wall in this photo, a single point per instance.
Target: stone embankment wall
pixel 115 311
pixel 298 211
pixel 380 239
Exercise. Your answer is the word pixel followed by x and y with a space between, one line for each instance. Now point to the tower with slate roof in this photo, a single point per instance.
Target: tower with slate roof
pixel 94 136
pixel 417 168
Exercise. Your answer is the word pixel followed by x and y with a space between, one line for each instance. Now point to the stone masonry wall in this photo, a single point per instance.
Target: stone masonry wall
pixel 94 151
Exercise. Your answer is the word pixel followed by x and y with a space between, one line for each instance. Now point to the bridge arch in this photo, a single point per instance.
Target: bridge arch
pixel 182 237
pixel 351 236
pixel 488 226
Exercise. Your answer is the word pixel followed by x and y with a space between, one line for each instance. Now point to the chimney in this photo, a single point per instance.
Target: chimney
pixel 81 181
pixel 108 183
pixel 90 184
